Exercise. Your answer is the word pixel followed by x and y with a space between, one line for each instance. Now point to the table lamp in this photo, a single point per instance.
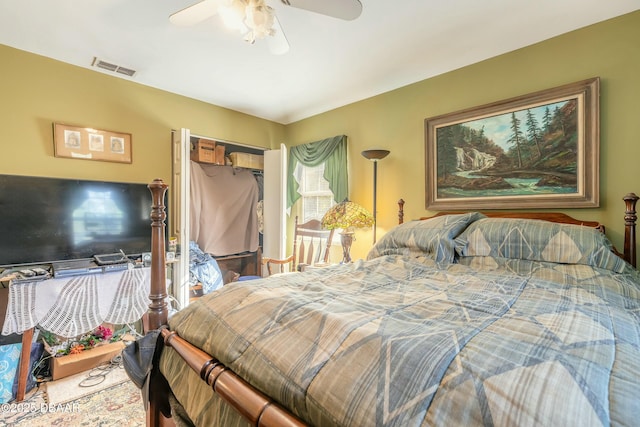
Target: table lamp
pixel 347 215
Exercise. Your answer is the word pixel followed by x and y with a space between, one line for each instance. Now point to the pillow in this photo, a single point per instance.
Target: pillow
pixel 538 240
pixel 9 358
pixel 204 268
pixel 433 237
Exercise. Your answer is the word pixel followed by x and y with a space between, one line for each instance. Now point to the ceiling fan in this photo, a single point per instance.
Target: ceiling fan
pixel 255 20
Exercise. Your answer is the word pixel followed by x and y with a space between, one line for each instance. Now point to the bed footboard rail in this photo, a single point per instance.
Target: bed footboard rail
pixel 256 407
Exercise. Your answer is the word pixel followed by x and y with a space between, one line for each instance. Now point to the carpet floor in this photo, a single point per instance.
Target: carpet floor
pixel 113 402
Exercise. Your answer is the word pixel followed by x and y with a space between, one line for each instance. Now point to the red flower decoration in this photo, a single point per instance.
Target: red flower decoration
pixel 103 333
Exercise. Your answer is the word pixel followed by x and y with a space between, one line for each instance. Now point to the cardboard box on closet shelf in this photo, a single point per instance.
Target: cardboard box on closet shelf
pixel 204 151
pixel 220 160
pixel 64 366
pixel 246 160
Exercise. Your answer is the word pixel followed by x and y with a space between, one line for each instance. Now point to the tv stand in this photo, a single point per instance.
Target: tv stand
pixel 118 298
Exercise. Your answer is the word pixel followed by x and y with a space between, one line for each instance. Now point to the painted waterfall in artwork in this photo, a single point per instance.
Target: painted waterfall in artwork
pixel 533 151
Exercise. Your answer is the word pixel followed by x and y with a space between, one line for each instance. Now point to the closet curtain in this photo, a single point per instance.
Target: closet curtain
pixel 224 203
pixel 333 153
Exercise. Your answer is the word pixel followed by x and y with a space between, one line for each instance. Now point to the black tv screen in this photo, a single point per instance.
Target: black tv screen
pixel 45 220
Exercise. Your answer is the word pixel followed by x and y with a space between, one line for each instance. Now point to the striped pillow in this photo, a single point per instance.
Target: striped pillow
pixel 433 237
pixel 538 240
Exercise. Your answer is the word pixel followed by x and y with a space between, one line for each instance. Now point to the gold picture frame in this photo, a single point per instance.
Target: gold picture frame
pixel 539 150
pixel 76 142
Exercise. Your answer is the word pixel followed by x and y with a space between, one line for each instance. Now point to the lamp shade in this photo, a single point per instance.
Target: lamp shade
pixel 375 155
pixel 345 215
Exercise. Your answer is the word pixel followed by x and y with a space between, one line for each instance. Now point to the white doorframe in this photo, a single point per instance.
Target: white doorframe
pixel 274 232
pixel 181 188
pixel 275 221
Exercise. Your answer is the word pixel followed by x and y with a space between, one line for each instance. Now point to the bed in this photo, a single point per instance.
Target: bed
pixel 459 319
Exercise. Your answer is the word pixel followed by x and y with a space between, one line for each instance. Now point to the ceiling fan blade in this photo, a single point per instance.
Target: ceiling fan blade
pixel 342 9
pixel 195 13
pixel 278 43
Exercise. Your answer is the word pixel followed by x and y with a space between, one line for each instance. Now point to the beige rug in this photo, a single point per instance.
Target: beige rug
pixel 83 384
pixel 116 406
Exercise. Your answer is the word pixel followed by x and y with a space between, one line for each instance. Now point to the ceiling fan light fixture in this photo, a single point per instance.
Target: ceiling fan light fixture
pixel 260 19
pixel 254 19
pixel 232 13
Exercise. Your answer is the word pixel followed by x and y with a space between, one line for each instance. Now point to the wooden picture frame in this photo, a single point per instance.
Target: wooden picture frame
pixel 539 150
pixel 77 142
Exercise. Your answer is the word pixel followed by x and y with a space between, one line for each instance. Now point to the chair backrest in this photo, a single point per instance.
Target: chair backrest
pixel 311 244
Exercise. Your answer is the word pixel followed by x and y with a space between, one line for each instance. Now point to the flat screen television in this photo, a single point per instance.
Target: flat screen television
pixel 45 220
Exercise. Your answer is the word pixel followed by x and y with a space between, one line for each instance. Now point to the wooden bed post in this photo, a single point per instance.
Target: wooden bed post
pixel 158 308
pixel 158 312
pixel 400 211
pixel 630 218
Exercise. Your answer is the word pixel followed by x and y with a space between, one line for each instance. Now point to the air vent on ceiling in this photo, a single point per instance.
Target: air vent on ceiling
pixel 112 67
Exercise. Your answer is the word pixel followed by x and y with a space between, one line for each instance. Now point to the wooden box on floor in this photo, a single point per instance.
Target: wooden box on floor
pixel 64 366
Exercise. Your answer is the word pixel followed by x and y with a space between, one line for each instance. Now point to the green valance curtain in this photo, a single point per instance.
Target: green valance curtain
pixel 333 153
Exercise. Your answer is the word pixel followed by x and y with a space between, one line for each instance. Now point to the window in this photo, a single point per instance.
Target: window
pixel 322 158
pixel 317 197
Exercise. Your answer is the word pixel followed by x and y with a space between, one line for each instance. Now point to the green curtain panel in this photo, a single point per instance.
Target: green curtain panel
pixel 333 153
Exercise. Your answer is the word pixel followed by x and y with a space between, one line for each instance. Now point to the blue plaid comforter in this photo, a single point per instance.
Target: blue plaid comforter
pixel 405 341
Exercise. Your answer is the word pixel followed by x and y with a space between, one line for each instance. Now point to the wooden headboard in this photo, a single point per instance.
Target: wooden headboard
pixel 630 218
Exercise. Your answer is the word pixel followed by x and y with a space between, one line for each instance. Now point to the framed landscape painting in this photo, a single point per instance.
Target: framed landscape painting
pixel 539 150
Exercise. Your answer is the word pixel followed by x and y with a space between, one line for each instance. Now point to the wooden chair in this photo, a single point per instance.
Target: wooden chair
pixel 311 245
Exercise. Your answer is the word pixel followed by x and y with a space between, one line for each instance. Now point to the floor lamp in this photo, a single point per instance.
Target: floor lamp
pixel 374 156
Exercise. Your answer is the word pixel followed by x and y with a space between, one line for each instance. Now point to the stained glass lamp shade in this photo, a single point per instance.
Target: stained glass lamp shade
pixel 347 215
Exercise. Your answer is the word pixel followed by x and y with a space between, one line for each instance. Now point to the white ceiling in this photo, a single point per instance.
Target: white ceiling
pixel 331 62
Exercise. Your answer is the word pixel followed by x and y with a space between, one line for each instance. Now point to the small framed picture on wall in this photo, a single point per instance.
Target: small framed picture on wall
pixel 86 143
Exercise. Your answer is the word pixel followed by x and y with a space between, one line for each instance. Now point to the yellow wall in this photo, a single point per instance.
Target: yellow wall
pixel 395 120
pixel 37 91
